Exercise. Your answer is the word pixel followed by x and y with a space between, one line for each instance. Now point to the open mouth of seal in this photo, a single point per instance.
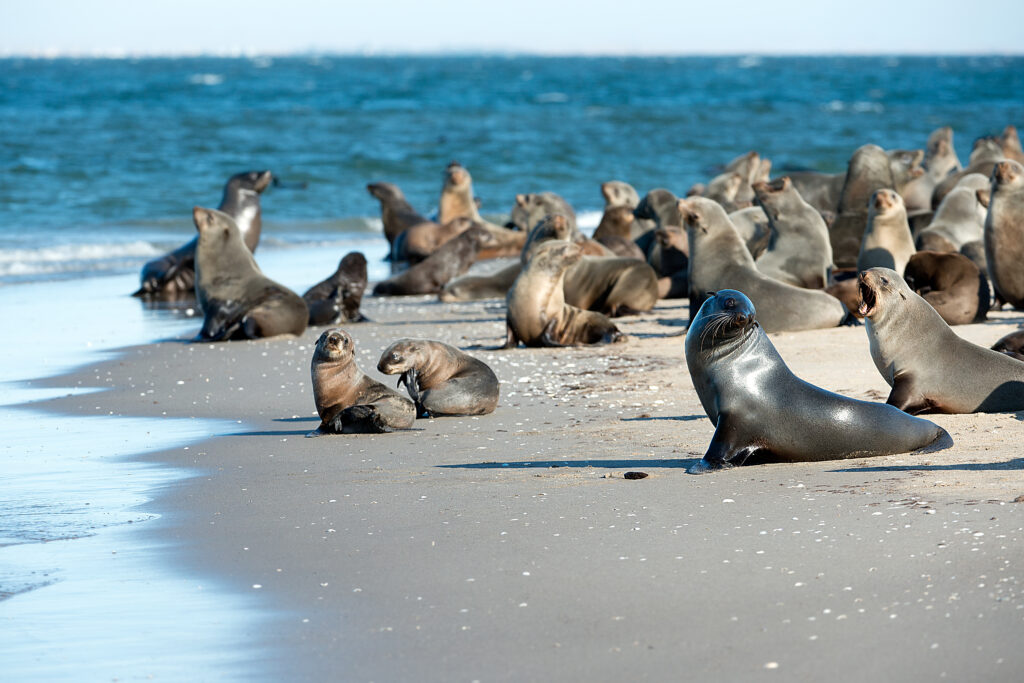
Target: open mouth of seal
pixel 867 299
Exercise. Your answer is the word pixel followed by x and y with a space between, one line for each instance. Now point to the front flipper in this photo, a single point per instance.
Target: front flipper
pixel 222 321
pixel 511 341
pixel 410 378
pixel 724 451
pixel 361 419
pixel 904 397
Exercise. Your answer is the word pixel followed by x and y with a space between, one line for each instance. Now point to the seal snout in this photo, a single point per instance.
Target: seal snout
pixel 1004 172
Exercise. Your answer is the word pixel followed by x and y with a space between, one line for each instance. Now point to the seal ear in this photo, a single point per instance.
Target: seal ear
pixel 983 197
pixel 710 295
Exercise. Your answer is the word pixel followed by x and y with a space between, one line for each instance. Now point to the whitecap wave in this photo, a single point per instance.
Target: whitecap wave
pixel 206 79
pixel 587 221
pixel 72 258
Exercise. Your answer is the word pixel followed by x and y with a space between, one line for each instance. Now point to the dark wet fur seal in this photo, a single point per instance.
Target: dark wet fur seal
pixel 1004 233
pixel 762 412
pixel 429 276
pixel 348 401
pixel 173 275
pixel 396 213
pixel 337 299
pixel 441 379
pixel 952 284
pixel 537 314
pixel 929 367
pixel 238 301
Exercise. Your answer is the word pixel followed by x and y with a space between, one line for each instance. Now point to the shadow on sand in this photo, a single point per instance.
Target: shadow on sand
pixel 1014 464
pixel 672 463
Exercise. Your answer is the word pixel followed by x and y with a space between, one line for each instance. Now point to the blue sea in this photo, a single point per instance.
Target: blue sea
pixel 103 160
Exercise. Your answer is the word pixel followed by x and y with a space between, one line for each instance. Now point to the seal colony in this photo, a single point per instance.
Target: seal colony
pixel 909 241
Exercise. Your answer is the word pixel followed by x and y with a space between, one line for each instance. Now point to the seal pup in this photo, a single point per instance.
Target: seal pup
pixel 763 412
pixel 1004 233
pixel 430 275
pixel 719 260
pixel 869 170
pixel 396 213
pixel 347 401
pixel 887 240
pixel 337 299
pixel 238 301
pixel 537 313
pixel 929 367
pixel 1011 344
pixel 173 275
pixel 441 379
pixel 953 284
pixel 960 217
pixel 799 251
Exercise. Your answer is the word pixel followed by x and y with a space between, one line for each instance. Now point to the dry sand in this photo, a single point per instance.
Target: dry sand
pixel 511 547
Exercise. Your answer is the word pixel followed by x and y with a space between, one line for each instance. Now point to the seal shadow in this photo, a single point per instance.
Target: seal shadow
pixel 671 463
pixel 1012 464
pixel 677 418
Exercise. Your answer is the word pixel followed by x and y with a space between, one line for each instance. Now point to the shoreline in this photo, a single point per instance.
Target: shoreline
pixel 489 548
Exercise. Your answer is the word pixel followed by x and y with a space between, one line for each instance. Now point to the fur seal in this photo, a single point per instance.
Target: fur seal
pixel 396 213
pixel 457 195
pixel 799 251
pixel 1011 344
pixel 940 160
pixel 1004 233
pixel 237 300
pixel 615 231
pixel 763 412
pixel 754 228
pixel 929 367
pixel 749 166
pixel 348 401
pixel 421 240
pixel 531 209
pixel 537 314
pixel 986 153
pixel 1010 142
pixel 673 262
pixel 820 190
pixel 719 260
pixel 887 240
pixel 619 193
pixel 337 299
pixel 173 275
pixel 476 287
pixel 428 276
pixel 868 171
pixel 953 284
pixel 441 379
pixel 960 217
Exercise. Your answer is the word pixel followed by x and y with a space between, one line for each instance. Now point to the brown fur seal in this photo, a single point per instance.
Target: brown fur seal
pixel 613 286
pixel 452 259
pixel 762 412
pixel 173 275
pixel 960 217
pixel 1011 344
pixel 868 171
pixel 617 227
pixel 940 160
pixel 724 189
pixel 237 300
pixel 719 260
pixel 337 299
pixel 457 195
pixel 423 239
pixel 673 263
pixel 396 213
pixel 1004 233
pixel 530 209
pixel 887 240
pixel 619 193
pixel 820 190
pixel 348 401
pixel 749 166
pixel 537 313
pixel 441 379
pixel 799 251
pixel 951 283
pixel 929 367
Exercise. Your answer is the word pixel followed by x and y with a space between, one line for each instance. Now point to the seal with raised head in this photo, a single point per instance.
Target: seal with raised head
pixel 430 275
pixel 940 160
pixel 799 251
pixel 720 260
pixel 173 275
pixel 952 283
pixel 887 240
pixel 441 379
pixel 869 170
pixel 347 401
pixel 396 213
pixel 1004 232
pixel 929 367
pixel 457 195
pixel 986 153
pixel 619 193
pixel 238 301
pixel 762 412
pixel 337 299
pixel 537 313
pixel 530 209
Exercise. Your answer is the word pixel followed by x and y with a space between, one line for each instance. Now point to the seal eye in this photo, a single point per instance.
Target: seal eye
pixel 395 357
pixel 885 280
pixel 730 303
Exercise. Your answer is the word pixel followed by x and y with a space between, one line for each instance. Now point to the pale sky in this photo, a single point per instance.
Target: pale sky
pixel 53 27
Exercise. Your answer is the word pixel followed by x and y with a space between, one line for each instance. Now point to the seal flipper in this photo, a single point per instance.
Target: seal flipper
pixel 547 337
pixel 511 341
pixel 906 399
pixel 410 379
pixel 722 453
pixel 361 419
pixel 222 321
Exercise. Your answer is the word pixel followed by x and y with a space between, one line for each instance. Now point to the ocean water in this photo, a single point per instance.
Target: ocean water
pixel 104 159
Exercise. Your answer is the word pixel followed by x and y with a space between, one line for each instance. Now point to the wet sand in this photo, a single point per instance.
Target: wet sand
pixel 511 547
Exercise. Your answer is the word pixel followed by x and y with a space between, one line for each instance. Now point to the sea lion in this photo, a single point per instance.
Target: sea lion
pixel 1011 344
pixel 531 209
pixel 763 412
pixel 173 275
pixel 348 401
pixel 929 367
pixel 537 314
pixel 238 301
pixel 396 213
pixel 940 160
pixel 719 260
pixel 887 240
pixel 953 284
pixel 619 193
pixel 428 276
pixel 799 251
pixel 423 239
pixel 441 379
pixel 613 286
pixel 1004 232
pixel 986 153
pixel 868 171
pixel 960 217
pixel 337 299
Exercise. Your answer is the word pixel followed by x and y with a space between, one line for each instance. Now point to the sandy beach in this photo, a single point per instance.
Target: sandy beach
pixel 511 547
